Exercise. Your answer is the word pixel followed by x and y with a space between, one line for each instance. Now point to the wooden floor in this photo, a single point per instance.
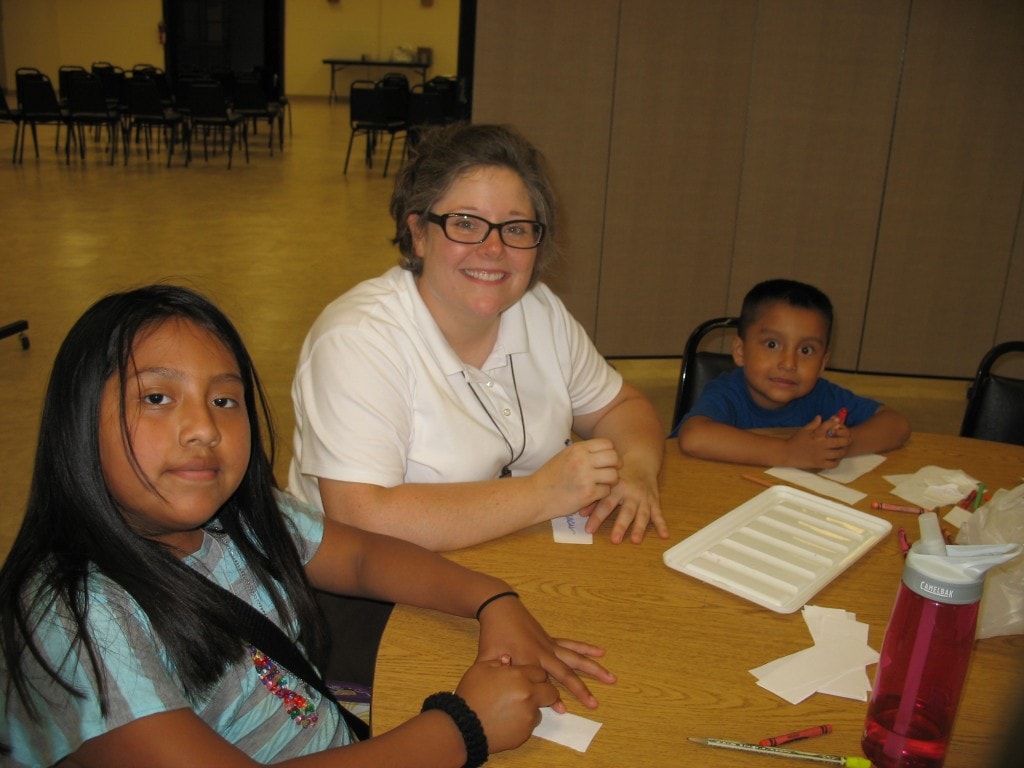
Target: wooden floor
pixel 272 242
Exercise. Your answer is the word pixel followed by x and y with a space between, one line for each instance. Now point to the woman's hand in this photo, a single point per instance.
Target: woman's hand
pixel 508 629
pixel 635 502
pixel 578 476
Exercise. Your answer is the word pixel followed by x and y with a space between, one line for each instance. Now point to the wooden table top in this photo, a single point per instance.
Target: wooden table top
pixel 682 649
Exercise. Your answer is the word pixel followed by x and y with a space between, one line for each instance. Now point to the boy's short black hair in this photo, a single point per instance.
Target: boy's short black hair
pixel 792 292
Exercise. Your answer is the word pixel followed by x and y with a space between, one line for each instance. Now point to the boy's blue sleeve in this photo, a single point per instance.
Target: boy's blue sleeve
pixel 719 398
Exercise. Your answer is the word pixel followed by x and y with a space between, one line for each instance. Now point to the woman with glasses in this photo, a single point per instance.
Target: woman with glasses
pixel 437 402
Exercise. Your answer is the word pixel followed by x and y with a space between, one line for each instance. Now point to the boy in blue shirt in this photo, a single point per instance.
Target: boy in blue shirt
pixel 781 350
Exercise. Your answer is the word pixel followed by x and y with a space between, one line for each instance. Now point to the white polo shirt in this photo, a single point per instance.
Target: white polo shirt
pixel 381 398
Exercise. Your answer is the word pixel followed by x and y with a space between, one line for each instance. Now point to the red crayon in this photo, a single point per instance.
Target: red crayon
pixel 898 508
pixel 806 733
pixel 904 542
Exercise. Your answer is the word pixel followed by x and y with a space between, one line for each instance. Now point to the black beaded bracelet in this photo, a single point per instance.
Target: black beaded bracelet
pixel 468 724
pixel 491 599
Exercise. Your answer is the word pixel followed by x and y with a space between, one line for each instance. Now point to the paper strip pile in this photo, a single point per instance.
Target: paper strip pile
pixel 932 487
pixel 833 665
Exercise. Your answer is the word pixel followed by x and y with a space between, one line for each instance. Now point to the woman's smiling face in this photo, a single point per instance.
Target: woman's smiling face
pixel 465 284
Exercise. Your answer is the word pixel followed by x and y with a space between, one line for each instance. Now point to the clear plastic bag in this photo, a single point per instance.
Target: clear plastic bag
pixel 1000 521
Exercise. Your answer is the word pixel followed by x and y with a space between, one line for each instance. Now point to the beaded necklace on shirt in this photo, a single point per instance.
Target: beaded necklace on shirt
pixel 513 457
pixel 299 708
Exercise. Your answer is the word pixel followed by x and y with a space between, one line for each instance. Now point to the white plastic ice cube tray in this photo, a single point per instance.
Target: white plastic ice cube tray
pixel 778 549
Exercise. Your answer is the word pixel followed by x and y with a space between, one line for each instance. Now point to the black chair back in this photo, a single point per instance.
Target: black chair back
pixel 66 73
pixel 447 90
pixel 995 404
pixel 698 368
pixel 37 98
pixel 160 78
pixel 205 100
pixel 113 80
pixel 364 104
pixel 86 96
pixel 144 96
pixel 393 93
pixel 250 95
pixel 426 107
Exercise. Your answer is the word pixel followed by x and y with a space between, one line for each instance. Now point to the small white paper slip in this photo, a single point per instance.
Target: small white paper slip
pixel 852 467
pixel 569 730
pixel 817 484
pixel 571 529
pixel 957 516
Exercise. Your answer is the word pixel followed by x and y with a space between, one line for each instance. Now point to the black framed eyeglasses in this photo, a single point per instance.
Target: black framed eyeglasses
pixel 472 230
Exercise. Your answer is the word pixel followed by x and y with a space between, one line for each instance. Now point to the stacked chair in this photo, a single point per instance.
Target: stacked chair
pixel 140 105
pixel 206 108
pixel 377 108
pixel 88 107
pixel 37 105
pixel 253 103
pixel 146 111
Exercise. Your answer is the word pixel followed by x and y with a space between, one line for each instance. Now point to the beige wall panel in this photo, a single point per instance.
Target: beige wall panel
pixel 823 97
pixel 681 93
pixel 952 202
pixel 547 68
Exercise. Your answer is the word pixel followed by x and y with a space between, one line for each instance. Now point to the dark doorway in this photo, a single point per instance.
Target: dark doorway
pixel 225 35
pixel 467 50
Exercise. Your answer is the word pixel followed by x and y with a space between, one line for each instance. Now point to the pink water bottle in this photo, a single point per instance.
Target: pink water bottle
pixel 927 646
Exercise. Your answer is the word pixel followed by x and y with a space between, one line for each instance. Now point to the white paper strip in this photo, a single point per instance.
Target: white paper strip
pixel 813 482
pixel 568 730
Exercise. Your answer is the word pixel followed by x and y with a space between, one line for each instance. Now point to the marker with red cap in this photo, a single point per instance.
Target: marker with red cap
pixel 840 418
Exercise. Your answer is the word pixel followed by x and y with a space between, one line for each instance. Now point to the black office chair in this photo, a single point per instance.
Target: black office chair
pixel 698 368
pixel 19 327
pixel 995 404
